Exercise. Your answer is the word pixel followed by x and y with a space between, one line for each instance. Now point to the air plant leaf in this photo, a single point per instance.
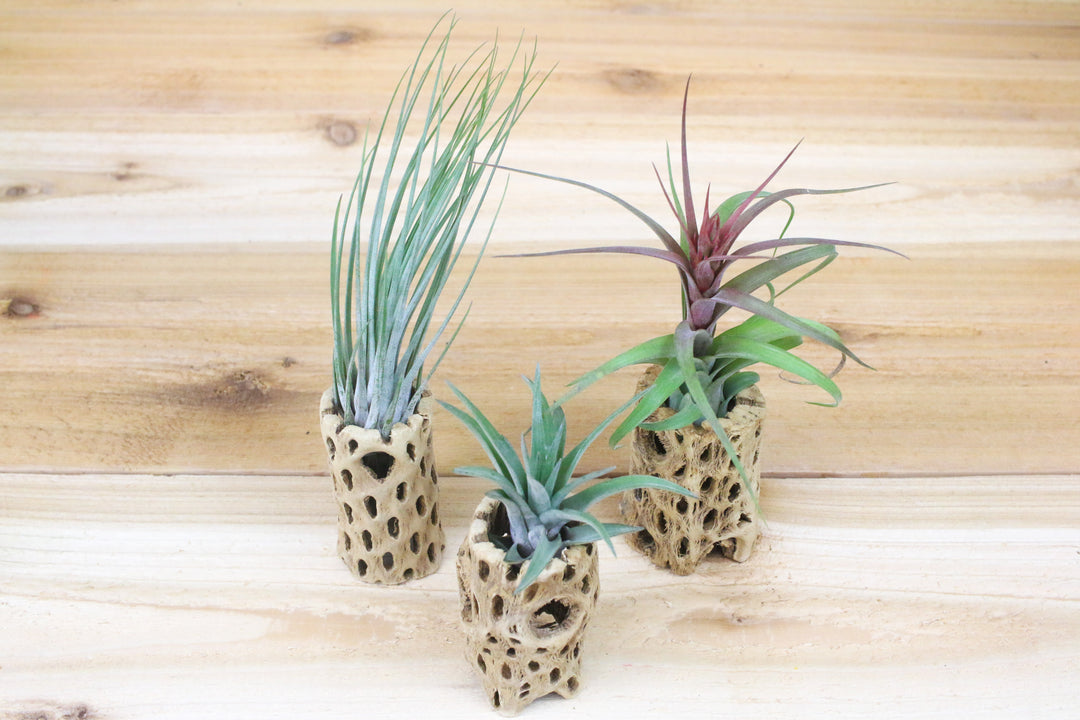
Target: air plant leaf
pixel 666 383
pixel 752 304
pixel 684 355
pixel 771 355
pixel 744 215
pixel 665 237
pixel 571 459
pixel 688 415
pixel 763 329
pixel 573 484
pixel 520 517
pixel 594 493
pixel 424 173
pixel 739 381
pixel 649 352
pixel 725 209
pixel 568 516
pixel 765 272
pixel 674 258
pixel 537 495
pixel 498 448
pixel 580 534
pixel 486 473
pixel 537 560
pixel 756 247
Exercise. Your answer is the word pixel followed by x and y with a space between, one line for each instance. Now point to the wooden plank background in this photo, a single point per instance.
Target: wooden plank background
pixel 220 596
pixel 168 173
pixel 169 178
pixel 213 359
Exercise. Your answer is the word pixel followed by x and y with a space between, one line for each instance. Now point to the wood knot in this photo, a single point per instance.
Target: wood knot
pixel 341 133
pixel 51 711
pixel 22 191
pixel 125 172
pixel 243 388
pixel 22 308
pixel 633 80
pixel 348 36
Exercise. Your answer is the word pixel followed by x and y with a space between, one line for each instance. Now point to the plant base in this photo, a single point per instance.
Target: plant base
pixel 527 645
pixel 388 496
pixel 679 532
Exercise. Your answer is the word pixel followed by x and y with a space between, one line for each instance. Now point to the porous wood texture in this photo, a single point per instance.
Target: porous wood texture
pixel 524 645
pixel 677 532
pixel 387 491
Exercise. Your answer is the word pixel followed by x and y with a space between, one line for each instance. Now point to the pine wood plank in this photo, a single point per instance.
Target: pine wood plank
pixel 154 129
pixel 189 596
pixel 210 123
pixel 842 68
pixel 189 360
pixel 167 177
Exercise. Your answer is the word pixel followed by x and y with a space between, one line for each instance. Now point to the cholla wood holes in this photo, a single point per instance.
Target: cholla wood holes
pixel 388 496
pixel 527 645
pixel 679 532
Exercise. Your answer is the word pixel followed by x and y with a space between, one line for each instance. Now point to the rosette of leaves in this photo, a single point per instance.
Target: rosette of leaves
pixel 402 231
pixel 702 371
pixel 546 505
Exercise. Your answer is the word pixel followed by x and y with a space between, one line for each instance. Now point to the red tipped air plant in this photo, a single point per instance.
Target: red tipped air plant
pixel 702 371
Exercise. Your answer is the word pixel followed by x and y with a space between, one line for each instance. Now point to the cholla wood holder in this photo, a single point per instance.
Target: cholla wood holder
pixel 388 496
pixel 679 532
pixel 528 645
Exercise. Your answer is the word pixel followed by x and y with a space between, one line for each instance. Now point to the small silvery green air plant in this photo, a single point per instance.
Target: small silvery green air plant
pixel 702 372
pixel 546 506
pixel 415 219
pixel 528 575
pixel 395 243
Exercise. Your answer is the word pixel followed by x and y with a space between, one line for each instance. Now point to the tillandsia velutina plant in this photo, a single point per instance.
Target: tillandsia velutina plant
pixel 703 371
pixel 419 214
pixel 545 504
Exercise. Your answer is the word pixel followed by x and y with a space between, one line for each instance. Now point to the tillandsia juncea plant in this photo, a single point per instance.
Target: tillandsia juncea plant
pixel 545 504
pixel 703 371
pixel 419 214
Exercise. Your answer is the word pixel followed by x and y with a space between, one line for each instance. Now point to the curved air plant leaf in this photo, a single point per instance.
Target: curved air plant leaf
pixel 546 506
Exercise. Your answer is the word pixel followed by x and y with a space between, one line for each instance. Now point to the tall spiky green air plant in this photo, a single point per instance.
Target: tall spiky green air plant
pixel 418 217
pixel 545 505
pixel 702 372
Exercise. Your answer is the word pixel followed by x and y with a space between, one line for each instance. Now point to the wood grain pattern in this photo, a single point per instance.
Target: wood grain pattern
pixel 168 173
pixel 841 67
pixel 208 123
pixel 192 596
pixel 183 359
